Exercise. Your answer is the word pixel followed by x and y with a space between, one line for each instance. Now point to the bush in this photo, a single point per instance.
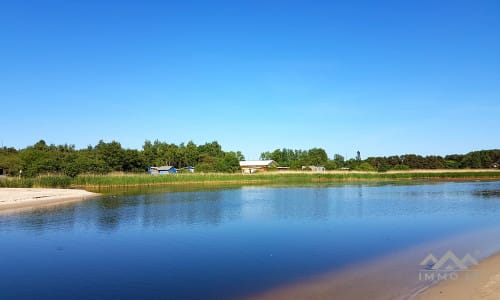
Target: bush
pixel 364 167
pixel 383 168
pixel 401 168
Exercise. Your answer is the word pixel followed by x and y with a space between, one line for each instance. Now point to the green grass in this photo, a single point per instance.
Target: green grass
pixel 131 180
pixel 52 181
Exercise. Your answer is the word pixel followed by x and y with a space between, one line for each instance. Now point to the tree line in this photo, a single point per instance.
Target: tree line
pixel 103 158
pixel 295 159
pixel 106 157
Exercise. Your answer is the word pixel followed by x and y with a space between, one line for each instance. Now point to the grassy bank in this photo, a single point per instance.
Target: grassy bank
pixel 125 180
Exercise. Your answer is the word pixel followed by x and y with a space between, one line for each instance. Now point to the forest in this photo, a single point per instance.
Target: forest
pixel 294 159
pixel 112 157
pixel 106 157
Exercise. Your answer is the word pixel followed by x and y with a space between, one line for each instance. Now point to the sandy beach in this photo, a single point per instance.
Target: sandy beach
pixel 25 198
pixel 485 287
pixel 370 283
pixel 395 276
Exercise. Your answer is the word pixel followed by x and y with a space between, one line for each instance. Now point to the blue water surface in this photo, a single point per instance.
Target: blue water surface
pixel 226 243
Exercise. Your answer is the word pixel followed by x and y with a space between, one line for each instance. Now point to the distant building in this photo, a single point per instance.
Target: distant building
pixel 162 170
pixel 317 168
pixel 252 166
pixel 3 171
pixel 283 168
pixel 314 168
pixel 189 169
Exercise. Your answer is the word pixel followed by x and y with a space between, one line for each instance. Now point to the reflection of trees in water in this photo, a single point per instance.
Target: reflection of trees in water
pixel 219 206
pixel 185 208
pixel 42 219
pixel 349 201
pixel 113 211
pixel 157 190
pixel 488 193
pixel 299 202
pixel 108 222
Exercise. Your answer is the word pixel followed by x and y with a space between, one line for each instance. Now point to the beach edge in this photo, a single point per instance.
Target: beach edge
pixel 485 286
pixel 17 199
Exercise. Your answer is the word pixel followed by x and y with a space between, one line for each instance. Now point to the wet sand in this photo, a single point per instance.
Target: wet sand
pixel 486 286
pixel 13 199
pixel 396 276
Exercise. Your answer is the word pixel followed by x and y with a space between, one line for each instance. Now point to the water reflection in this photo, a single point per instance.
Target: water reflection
pixel 245 238
pixel 186 208
pixel 283 203
pixel 488 194
pixel 41 219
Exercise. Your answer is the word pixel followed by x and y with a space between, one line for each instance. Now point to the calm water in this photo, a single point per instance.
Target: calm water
pixel 226 243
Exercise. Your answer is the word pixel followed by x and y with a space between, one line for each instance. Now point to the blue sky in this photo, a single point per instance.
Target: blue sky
pixel 381 77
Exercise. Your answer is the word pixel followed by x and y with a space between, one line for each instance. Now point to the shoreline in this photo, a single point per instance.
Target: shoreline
pixel 15 199
pixel 357 280
pixel 121 180
pixel 396 275
pixel 486 286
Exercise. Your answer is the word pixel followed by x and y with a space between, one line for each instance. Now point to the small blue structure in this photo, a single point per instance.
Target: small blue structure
pixel 162 170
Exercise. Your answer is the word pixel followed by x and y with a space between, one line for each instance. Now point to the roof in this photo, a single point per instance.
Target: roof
pixel 256 163
pixel 162 168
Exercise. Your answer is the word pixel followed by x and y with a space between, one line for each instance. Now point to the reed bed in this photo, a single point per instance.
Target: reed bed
pixel 124 180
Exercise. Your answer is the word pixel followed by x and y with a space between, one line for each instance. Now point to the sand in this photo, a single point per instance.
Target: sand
pixel 485 287
pixel 396 275
pixel 25 198
pixel 373 282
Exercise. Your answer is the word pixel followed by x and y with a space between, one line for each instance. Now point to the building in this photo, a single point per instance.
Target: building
pixel 162 170
pixel 283 168
pixel 317 168
pixel 313 168
pixel 189 169
pixel 3 171
pixel 252 166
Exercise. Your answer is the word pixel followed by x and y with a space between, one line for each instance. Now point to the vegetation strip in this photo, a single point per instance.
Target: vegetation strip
pixel 111 180
pixel 104 158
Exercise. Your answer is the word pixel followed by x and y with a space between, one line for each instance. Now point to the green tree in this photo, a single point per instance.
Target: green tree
pixel 317 156
pixel 364 166
pixel 111 153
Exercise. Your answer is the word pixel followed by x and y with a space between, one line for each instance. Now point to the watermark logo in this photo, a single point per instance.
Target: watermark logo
pixel 448 267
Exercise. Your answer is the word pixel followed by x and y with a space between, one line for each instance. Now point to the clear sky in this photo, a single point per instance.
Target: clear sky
pixel 381 77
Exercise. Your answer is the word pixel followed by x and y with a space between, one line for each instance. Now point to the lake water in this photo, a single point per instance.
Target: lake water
pixel 229 243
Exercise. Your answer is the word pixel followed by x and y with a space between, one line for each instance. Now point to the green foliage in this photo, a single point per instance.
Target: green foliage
pixel 98 182
pixel 317 157
pixel 411 160
pixel 54 181
pixel 10 160
pixel 401 168
pixel 452 164
pixel 481 159
pixel 332 165
pixel 339 159
pixel 364 166
pixel 383 167
pixel 295 159
pixel 43 159
pixel 65 160
pixel 112 154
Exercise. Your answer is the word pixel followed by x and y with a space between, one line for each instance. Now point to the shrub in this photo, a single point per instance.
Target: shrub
pixel 401 168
